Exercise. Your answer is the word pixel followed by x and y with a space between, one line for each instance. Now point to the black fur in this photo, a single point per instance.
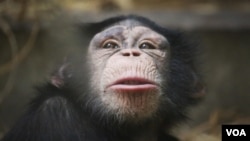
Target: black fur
pixel 67 114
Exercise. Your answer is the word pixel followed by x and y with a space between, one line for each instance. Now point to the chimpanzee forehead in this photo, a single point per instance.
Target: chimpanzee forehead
pixel 130 23
pixel 135 31
pixel 127 24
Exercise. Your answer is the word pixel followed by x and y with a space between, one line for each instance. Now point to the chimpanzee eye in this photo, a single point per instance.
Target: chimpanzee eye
pixel 147 45
pixel 110 45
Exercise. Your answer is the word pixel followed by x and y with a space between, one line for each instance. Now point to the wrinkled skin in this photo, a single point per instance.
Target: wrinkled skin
pixel 128 54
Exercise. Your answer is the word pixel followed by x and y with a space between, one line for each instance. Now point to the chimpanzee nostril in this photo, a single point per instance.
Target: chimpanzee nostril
pixel 136 53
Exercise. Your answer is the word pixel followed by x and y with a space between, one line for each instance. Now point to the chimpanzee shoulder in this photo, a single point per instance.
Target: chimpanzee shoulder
pixel 53 116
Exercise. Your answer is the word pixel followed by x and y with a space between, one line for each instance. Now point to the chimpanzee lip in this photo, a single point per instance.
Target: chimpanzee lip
pixel 133 84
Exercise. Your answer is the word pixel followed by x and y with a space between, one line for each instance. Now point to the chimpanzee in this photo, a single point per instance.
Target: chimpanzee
pixel 134 82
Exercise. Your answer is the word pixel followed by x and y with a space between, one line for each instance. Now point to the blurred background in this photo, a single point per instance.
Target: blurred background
pixel 33 38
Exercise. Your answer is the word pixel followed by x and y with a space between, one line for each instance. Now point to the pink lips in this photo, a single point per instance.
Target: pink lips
pixel 133 84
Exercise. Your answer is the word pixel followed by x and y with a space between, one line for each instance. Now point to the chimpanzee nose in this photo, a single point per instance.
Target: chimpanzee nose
pixel 131 52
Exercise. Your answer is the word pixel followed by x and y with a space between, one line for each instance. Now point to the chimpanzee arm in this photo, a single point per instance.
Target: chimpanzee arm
pixel 52 117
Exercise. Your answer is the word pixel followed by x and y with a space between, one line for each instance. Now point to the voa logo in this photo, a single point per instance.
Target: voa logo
pixel 236 132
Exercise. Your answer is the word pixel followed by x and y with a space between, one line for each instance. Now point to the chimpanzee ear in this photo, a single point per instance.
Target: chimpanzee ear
pixel 60 74
pixel 200 91
pixel 199 88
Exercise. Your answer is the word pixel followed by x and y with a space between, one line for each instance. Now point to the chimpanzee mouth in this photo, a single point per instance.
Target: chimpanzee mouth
pixel 133 84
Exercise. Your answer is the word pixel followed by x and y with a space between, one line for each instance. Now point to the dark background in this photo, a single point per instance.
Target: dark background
pixel 34 37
